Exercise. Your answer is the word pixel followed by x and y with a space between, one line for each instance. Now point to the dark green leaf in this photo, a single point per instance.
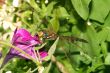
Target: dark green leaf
pixel 47 69
pixel 29 70
pixel 53 48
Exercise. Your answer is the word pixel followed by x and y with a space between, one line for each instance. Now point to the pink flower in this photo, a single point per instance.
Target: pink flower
pixel 23 40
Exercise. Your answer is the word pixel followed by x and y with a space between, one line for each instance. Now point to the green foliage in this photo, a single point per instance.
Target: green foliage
pixel 99 14
pixel 85 19
pixel 82 7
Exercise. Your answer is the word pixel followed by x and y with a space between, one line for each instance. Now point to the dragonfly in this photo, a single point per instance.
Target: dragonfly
pixel 50 35
pixel 66 46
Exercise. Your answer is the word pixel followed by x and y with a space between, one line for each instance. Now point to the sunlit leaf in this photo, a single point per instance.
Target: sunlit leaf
pixel 26 17
pixel 34 5
pixel 99 10
pixel 54 24
pixel 82 7
pixel 107 59
pixel 107 21
pixel 50 8
pixel 63 13
pixel 69 67
pixel 53 48
pixel 94 49
pixel 36 19
pixel 104 48
pixel 102 35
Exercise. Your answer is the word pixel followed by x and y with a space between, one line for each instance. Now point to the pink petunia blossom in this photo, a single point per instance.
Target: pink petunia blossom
pixel 23 40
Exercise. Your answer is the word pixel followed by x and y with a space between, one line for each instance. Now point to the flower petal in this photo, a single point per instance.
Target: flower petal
pixel 24 34
pixel 43 54
pixel 6 59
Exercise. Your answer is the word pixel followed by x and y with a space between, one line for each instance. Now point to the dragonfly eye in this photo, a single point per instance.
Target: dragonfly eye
pixel 46 35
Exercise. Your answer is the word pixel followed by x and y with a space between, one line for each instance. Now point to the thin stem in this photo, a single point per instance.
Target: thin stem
pixel 39 58
pixel 40 67
pixel 39 47
pixel 36 56
pixel 18 49
pixel 34 70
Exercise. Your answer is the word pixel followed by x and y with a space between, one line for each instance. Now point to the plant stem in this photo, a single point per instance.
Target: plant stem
pixel 18 49
pixel 40 67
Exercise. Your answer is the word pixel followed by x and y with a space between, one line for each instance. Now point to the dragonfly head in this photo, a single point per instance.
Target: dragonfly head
pixel 47 35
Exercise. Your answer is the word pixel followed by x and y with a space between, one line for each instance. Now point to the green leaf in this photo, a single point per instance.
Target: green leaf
pixel 85 58
pixel 104 48
pixel 108 37
pixel 82 7
pixel 54 24
pixel 47 69
pixel 107 21
pixel 43 11
pixel 62 12
pixel 26 16
pixel 93 45
pixel 102 35
pixel 68 66
pixel 29 70
pixel 75 31
pixel 50 8
pixel 100 10
pixel 107 59
pixel 36 19
pixel 107 26
pixel 96 64
pixel 47 11
pixel 72 20
pixel 53 48
pixel 34 5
